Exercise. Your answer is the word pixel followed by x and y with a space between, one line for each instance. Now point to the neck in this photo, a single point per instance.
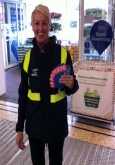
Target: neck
pixel 41 45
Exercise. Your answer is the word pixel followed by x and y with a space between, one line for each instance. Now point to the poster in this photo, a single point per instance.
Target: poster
pixel 94 97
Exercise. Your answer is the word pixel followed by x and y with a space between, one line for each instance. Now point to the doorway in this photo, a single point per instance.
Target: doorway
pixel 13 26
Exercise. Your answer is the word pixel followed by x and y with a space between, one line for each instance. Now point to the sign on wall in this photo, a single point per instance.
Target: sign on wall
pixel 87 47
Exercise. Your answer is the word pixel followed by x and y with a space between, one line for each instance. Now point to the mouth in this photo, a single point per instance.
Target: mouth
pixel 40 34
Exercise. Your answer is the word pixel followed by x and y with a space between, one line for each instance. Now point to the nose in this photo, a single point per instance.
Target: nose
pixel 40 26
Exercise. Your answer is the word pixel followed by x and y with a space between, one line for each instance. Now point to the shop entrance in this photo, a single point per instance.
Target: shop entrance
pixel 13 27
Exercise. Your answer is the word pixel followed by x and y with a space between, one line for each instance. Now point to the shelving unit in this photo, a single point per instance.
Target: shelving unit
pixel 22 50
pixel 56 24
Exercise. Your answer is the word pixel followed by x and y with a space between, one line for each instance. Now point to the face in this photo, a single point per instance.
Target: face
pixel 41 28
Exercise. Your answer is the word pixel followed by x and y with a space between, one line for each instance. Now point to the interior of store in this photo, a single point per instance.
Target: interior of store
pixel 71 27
pixel 93 115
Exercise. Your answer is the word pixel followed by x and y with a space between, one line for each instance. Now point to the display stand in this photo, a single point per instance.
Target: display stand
pixel 96 94
pixel 22 50
pixel 78 115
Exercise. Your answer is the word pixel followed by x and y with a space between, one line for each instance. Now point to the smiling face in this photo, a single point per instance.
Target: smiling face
pixel 41 28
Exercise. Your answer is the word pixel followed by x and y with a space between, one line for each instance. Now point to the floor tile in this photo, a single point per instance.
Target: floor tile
pixel 8 103
pixel 8 115
pixel 80 134
pixel 103 140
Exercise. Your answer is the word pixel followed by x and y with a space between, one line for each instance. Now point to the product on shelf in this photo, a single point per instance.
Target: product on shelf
pixel 74 52
pixel 56 26
pixel 55 15
pixel 55 22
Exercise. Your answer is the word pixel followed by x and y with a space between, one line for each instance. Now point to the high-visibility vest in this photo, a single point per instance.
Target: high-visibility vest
pixel 36 96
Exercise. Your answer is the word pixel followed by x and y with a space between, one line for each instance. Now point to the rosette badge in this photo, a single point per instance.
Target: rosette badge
pixel 101 35
pixel 56 74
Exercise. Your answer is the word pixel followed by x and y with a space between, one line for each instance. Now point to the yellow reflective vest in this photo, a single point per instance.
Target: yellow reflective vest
pixel 36 96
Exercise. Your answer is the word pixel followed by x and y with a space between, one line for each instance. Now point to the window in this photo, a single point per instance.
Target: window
pixel 93 12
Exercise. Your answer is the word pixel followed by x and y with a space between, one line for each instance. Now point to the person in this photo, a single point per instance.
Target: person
pixel 42 109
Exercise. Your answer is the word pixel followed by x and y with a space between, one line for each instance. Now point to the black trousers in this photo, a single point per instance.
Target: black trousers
pixel 37 148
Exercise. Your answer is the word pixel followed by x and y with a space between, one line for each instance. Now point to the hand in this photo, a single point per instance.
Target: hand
pixel 19 140
pixel 67 80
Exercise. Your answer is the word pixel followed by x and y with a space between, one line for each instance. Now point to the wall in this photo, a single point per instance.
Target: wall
pixel 2 71
pixel 11 1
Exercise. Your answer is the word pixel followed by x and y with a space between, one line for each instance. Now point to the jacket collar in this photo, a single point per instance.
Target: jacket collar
pixel 47 46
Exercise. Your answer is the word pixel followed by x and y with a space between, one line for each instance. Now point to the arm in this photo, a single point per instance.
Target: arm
pixel 19 140
pixel 23 89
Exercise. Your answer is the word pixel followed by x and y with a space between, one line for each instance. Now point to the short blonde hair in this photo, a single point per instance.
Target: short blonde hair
pixel 42 9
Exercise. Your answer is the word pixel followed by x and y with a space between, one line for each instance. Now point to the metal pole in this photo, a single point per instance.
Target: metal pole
pixel 81 29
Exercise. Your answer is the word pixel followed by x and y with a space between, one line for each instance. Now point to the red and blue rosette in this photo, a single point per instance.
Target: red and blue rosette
pixel 56 74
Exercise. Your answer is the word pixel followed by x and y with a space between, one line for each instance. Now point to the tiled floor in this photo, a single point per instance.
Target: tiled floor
pixel 76 152
pixel 8 111
pixel 101 134
pixel 12 82
pixel 86 130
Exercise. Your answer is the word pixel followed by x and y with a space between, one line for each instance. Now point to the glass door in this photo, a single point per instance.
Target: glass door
pixel 13 26
pixel 10 33
pixel 21 24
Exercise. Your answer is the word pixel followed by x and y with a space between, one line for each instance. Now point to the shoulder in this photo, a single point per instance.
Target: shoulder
pixel 59 47
pixel 26 60
pixel 27 56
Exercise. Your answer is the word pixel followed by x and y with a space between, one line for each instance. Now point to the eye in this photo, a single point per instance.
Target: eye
pixel 36 23
pixel 45 23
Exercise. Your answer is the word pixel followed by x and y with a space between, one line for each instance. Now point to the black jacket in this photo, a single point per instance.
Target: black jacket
pixel 43 120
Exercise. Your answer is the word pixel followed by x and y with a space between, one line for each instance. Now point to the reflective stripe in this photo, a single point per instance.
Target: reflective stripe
pixel 26 61
pixel 57 97
pixel 34 96
pixel 63 55
pixel 61 94
pixel 31 96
